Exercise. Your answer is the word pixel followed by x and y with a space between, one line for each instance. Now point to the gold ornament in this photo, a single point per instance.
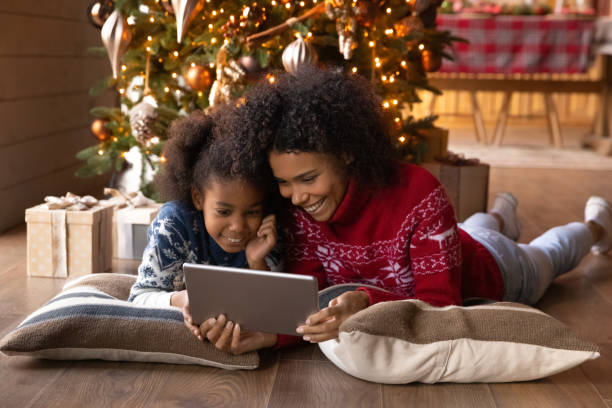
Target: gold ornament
pixel 198 77
pixel 99 130
pixel 298 54
pixel 142 117
pixel 116 36
pixel 431 61
pixel 99 11
pixel 185 11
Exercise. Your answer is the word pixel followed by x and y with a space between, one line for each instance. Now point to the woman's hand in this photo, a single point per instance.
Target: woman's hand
pixel 324 324
pixel 261 245
pixel 227 336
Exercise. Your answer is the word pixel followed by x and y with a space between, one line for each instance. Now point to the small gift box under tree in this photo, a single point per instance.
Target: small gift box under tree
pixel 68 236
pixel 133 214
pixel 466 183
pixel 130 226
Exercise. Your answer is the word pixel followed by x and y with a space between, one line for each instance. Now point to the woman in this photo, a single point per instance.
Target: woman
pixel 360 216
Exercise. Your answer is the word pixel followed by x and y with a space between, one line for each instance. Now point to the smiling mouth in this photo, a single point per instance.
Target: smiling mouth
pixel 234 241
pixel 313 208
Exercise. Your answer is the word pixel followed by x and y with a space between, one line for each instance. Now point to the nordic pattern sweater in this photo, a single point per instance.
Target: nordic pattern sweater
pixel 401 238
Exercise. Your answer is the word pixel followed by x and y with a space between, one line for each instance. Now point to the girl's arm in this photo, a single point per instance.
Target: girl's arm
pixel 161 270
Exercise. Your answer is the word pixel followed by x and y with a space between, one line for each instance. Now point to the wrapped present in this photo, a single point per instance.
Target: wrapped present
pixel 437 143
pixel 466 182
pixel 68 236
pixel 132 216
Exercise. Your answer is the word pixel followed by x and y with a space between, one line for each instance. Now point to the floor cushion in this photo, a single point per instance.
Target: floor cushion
pixel 410 341
pixel 91 319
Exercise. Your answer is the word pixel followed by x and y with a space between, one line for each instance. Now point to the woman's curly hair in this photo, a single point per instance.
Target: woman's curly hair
pixel 323 111
pixel 198 151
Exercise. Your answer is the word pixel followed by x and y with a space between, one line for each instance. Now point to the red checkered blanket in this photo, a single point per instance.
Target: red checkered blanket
pixel 518 44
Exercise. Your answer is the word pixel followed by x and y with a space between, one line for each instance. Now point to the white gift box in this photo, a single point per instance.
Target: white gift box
pixel 130 226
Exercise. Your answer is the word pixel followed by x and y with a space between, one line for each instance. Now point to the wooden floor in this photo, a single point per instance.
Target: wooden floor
pixel 303 377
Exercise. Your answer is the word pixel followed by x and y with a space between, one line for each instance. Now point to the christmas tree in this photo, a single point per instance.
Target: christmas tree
pixel 170 57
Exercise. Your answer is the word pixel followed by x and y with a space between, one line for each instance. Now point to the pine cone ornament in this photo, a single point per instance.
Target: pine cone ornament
pixel 298 54
pixel 142 118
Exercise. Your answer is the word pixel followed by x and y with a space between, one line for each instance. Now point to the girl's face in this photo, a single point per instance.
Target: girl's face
pixel 232 210
pixel 314 181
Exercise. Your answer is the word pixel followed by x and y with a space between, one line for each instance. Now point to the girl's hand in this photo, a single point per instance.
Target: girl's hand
pixel 180 299
pixel 324 324
pixel 227 336
pixel 261 245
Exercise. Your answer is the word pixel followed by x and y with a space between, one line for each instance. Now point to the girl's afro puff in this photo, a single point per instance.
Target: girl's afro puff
pixel 199 150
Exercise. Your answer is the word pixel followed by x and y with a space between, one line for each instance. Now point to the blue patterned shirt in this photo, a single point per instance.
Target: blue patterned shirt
pixel 177 235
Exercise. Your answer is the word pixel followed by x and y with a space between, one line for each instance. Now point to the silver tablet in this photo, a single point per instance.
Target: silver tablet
pixel 264 301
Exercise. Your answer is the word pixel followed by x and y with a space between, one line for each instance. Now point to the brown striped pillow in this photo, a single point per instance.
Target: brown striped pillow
pixel 410 341
pixel 91 319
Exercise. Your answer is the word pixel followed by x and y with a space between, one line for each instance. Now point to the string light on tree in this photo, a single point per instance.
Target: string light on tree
pixel 197 57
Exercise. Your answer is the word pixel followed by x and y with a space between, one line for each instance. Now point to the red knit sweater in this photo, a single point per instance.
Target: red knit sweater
pixel 402 238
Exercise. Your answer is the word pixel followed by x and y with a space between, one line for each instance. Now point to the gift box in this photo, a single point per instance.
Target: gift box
pixel 62 243
pixel 437 143
pixel 466 184
pixel 130 226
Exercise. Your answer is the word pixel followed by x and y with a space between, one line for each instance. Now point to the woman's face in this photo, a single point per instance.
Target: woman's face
pixel 314 181
pixel 232 210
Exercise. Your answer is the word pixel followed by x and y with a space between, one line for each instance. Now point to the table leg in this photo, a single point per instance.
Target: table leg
pixel 602 126
pixel 553 120
pixel 603 138
pixel 481 132
pixel 502 118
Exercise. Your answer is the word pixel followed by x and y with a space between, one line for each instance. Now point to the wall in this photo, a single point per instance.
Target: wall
pixel 45 76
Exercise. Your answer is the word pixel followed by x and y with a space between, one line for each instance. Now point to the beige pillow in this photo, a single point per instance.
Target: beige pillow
pixel 410 341
pixel 91 319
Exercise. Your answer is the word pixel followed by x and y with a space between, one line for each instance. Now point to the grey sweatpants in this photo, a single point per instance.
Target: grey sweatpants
pixel 528 269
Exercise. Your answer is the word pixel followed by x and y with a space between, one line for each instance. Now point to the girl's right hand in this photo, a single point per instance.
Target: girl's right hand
pixel 180 299
pixel 227 336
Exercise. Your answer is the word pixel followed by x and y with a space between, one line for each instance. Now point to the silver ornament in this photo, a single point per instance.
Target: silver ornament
pixel 298 54
pixel 142 116
pixel 185 11
pixel 116 36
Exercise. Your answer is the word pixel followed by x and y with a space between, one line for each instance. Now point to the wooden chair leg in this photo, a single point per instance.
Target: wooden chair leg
pixel 553 120
pixel 502 118
pixel 481 132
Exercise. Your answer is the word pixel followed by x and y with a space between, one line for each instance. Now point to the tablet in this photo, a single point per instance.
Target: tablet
pixel 264 301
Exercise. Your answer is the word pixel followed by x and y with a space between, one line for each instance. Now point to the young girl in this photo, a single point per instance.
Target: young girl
pixel 359 216
pixel 216 216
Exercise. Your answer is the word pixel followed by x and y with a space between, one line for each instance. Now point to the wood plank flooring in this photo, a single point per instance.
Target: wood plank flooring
pixel 302 377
